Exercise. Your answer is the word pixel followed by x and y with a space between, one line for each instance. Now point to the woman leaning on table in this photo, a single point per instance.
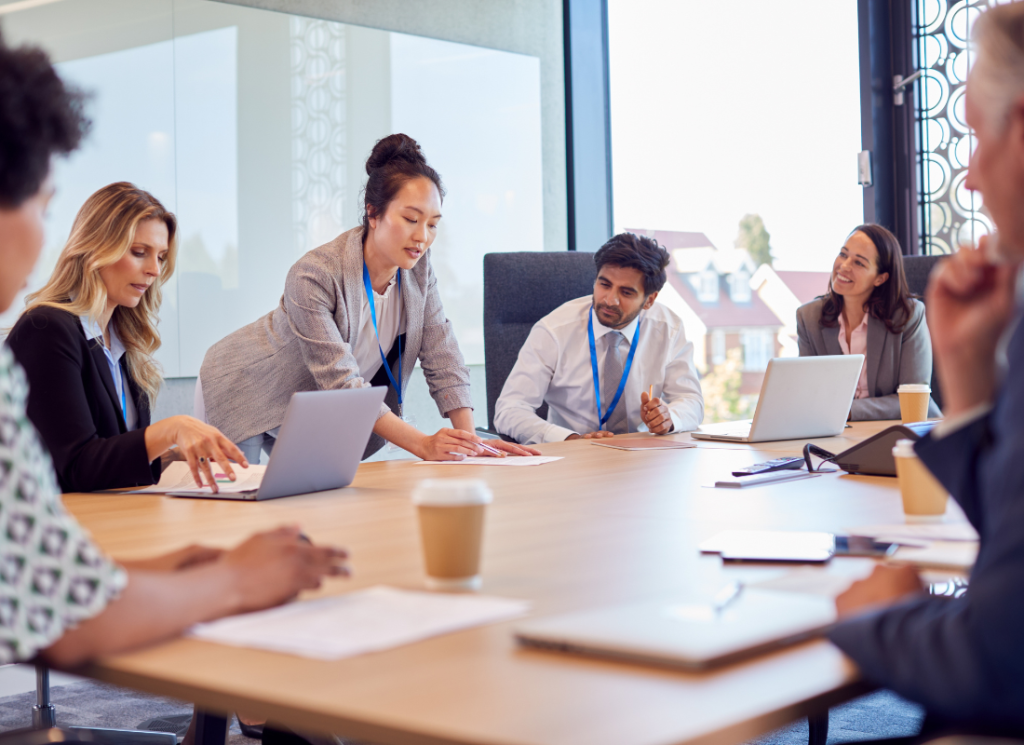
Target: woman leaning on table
pixel 868 310
pixel 86 341
pixel 62 600
pixel 325 334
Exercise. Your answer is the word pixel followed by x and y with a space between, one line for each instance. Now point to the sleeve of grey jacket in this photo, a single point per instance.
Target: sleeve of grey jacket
pixel 310 300
pixel 915 367
pixel 440 357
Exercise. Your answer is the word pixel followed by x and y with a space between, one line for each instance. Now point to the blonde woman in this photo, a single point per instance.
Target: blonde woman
pixel 86 341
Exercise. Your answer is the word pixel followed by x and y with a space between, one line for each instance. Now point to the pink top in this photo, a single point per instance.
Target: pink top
pixel 858 345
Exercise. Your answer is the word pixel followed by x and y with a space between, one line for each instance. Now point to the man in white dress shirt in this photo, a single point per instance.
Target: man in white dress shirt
pixel 606 351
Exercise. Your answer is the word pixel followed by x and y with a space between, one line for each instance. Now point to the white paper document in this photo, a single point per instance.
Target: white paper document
pixel 177 479
pixel 918 532
pixel 511 460
pixel 358 622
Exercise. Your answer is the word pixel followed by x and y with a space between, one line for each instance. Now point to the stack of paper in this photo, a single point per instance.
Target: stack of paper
pixel 364 621
pixel 942 545
pixel 177 479
pixel 511 460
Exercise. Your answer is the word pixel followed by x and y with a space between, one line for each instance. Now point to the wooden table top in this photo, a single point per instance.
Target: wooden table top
pixel 600 527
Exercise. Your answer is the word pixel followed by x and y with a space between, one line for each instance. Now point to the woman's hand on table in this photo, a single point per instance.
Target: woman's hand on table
pixel 198 443
pixel 272 568
pixel 508 448
pixel 449 444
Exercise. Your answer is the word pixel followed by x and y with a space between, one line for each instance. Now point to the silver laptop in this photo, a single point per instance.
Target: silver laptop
pixel 319 445
pixel 688 635
pixel 801 397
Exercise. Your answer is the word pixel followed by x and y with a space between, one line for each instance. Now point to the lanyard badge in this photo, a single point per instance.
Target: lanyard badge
pixel 373 315
pixel 597 381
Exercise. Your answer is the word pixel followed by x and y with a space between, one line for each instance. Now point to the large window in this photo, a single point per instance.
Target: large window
pixel 254 126
pixel 739 120
pixel 950 214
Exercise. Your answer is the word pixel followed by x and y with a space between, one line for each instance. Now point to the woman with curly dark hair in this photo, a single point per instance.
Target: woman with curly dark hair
pixel 869 310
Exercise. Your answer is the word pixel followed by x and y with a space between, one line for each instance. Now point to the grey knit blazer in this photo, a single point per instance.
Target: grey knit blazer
pixel 306 344
pixel 892 359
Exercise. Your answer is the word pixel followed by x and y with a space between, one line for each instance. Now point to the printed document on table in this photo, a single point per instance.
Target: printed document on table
pixel 511 460
pixel 358 622
pixel 177 478
pixel 918 532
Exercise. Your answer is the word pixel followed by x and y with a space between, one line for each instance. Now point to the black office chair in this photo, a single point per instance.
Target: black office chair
pixel 519 289
pixel 918 269
pixel 44 724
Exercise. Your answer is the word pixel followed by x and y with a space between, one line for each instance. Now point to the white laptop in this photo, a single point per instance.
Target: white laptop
pixel 688 635
pixel 801 397
pixel 319 445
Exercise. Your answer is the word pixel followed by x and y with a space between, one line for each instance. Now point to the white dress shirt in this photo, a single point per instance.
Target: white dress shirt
pixel 858 345
pixel 554 367
pixel 114 355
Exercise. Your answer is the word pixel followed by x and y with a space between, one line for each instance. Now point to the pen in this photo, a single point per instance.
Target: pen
pixel 489 449
pixel 650 393
pixel 725 597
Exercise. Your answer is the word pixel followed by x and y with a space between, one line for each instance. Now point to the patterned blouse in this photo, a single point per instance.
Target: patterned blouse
pixel 52 576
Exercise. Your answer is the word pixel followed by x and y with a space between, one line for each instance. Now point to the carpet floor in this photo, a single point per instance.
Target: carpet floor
pixel 89 704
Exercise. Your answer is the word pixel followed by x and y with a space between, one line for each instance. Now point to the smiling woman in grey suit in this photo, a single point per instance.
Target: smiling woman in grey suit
pixel 868 310
pixel 325 334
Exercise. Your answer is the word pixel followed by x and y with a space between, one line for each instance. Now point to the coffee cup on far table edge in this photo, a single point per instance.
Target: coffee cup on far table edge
pixel 924 498
pixel 451 517
pixel 914 400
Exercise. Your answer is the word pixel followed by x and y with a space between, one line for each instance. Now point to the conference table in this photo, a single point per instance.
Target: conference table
pixel 599 527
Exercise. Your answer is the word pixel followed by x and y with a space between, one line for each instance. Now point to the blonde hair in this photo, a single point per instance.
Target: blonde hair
pixel 997 76
pixel 103 232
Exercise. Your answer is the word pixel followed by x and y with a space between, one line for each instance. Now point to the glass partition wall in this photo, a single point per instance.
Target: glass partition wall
pixel 254 127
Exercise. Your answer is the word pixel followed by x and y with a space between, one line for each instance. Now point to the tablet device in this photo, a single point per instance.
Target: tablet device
pixel 768 545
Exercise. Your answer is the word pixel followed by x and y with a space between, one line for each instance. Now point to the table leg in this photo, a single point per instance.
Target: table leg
pixel 211 729
pixel 817 728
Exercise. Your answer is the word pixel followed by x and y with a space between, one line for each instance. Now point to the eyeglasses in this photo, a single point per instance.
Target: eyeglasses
pixel 826 457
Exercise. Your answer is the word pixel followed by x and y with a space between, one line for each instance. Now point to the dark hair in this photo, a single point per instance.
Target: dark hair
pixel 890 301
pixel 395 159
pixel 39 116
pixel 632 251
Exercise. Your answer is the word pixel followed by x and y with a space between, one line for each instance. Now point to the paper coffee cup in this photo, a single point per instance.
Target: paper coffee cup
pixel 923 495
pixel 914 399
pixel 451 517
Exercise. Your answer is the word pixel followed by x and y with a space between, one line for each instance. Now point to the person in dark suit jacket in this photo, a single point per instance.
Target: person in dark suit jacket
pixel 86 341
pixel 963 658
pixel 868 310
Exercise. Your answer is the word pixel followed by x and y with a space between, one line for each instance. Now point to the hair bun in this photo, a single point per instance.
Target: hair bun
pixel 394 147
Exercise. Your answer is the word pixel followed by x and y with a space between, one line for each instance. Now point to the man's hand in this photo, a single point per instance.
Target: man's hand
pixel 886 585
pixel 590 436
pixel 970 303
pixel 655 414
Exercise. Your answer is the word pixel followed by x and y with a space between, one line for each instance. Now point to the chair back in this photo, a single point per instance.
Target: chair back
pixel 519 289
pixel 918 269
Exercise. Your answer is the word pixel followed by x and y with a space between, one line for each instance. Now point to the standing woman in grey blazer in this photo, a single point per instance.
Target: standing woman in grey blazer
pixel 325 334
pixel 868 310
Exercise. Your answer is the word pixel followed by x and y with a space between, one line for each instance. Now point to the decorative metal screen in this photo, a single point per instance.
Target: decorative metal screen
pixel 950 213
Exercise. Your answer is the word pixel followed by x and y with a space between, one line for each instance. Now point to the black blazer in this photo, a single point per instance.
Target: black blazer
pixel 963 658
pixel 73 403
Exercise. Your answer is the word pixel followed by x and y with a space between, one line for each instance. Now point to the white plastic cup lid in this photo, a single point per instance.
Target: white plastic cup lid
pixel 452 492
pixel 914 388
pixel 904 449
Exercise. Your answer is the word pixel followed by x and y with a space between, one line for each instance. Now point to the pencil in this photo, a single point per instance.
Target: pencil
pixel 490 449
pixel 650 393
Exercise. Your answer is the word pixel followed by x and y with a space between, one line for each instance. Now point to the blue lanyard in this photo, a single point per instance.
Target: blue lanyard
pixel 625 370
pixel 373 315
pixel 124 400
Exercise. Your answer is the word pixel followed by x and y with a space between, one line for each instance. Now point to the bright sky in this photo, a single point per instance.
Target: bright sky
pixel 725 108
